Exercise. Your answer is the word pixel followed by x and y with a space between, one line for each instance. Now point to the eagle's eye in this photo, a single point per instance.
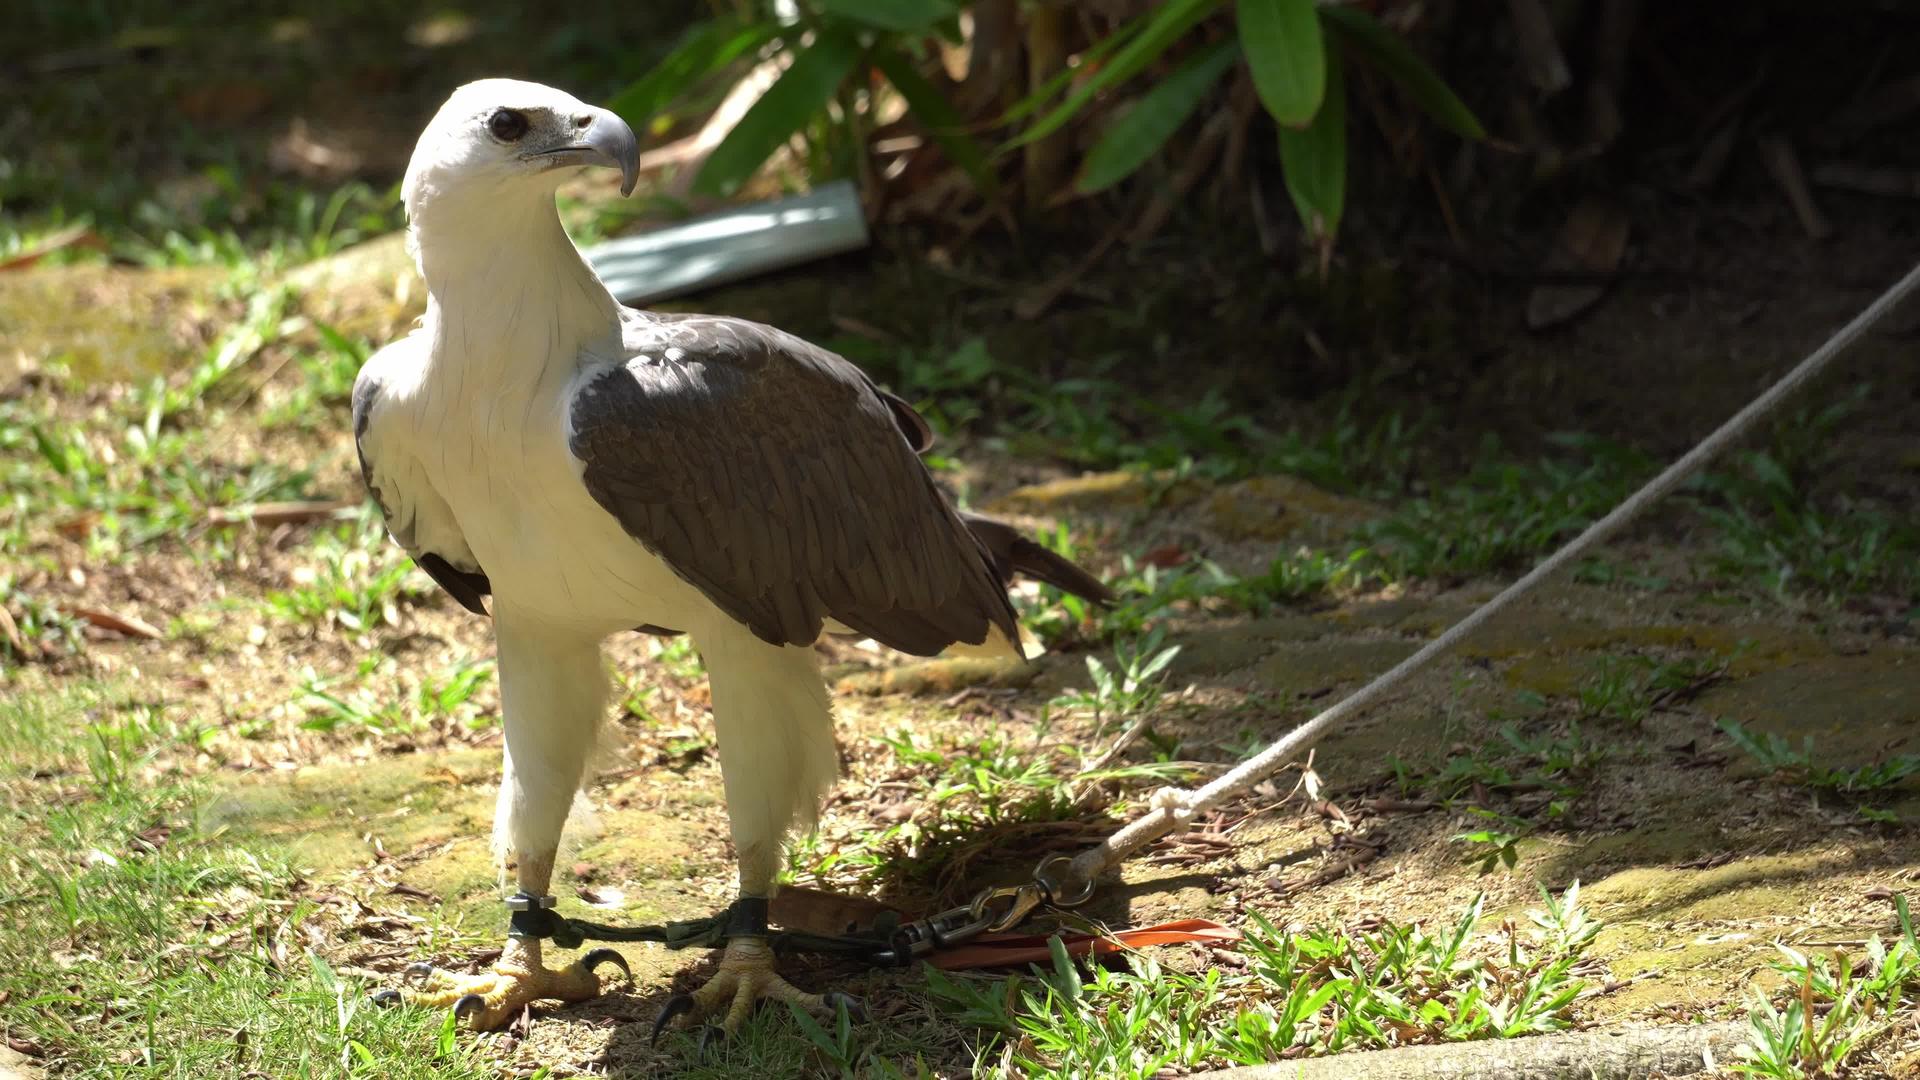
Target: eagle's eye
pixel 507 125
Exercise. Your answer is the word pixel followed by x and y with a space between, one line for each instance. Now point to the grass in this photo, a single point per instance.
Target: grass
pixel 1774 534
pixel 230 224
pixel 1834 1007
pixel 981 795
pixel 1096 421
pixel 1312 992
pixel 1782 529
pixel 353 578
pixel 114 494
pixel 1626 689
pixel 1798 765
pixel 160 950
pixel 1131 687
pixel 1503 513
pixel 346 701
pixel 1528 779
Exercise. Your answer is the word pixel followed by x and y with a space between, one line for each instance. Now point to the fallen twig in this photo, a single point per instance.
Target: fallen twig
pixel 71 236
pixel 1399 806
pixel 283 513
pixel 1035 303
pixel 1784 166
pixel 130 625
pixel 1200 161
pixel 1869 179
pixel 11 631
pixel 1539 47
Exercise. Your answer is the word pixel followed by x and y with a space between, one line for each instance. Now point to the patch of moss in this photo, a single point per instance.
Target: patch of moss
pixel 942 675
pixel 107 322
pixel 370 290
pixel 1753 887
pixel 1283 508
pixel 1106 492
pixel 1852 707
pixel 1312 666
pixel 328 815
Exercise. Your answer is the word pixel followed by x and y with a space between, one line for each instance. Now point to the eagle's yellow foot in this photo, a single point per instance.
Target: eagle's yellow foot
pixel 490 999
pixel 746 977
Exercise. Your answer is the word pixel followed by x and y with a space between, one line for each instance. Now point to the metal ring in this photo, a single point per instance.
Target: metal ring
pixel 1054 895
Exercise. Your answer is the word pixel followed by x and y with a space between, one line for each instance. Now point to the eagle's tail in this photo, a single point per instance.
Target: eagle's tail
pixel 1012 553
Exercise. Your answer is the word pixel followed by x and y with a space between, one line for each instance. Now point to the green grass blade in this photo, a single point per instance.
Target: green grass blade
pixel 1168 24
pixel 943 124
pixel 803 90
pixel 1287 56
pixel 1315 161
pixel 899 16
pixel 1140 133
pixel 704 50
pixel 1390 53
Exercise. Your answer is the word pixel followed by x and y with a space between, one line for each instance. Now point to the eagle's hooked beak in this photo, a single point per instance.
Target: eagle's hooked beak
pixel 599 138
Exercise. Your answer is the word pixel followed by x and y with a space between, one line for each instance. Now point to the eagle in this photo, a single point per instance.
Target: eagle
pixel 574 469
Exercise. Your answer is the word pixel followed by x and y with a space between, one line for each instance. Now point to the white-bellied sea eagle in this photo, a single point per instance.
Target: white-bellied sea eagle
pixel 596 469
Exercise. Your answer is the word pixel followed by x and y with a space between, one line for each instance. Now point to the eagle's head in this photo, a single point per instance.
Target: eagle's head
pixel 498 135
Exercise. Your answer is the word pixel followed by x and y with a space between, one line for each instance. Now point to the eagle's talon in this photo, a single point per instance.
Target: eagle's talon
pixel 710 1035
pixel 386 997
pixel 746 979
pixel 468 1004
pixel 678 1005
pixel 417 973
pixel 597 957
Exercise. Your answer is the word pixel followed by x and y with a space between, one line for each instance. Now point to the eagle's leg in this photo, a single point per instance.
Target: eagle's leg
pixel 552 692
pixel 777 759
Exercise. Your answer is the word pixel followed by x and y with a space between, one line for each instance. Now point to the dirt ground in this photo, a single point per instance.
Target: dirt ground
pixel 1698 859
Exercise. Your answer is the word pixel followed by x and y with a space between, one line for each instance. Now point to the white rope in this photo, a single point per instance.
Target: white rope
pixel 1173 809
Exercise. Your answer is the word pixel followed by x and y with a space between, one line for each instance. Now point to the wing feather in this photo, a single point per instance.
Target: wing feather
pixel 777 479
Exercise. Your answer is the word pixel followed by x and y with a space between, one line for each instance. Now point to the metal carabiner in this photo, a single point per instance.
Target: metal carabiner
pixel 1050 889
pixel 1021 900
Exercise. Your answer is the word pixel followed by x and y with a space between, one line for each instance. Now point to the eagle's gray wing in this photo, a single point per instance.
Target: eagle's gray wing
pixel 776 478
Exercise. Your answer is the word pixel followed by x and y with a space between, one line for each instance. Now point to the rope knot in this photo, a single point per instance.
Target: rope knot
pixel 1177 803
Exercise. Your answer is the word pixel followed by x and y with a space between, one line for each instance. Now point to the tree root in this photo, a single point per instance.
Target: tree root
pixel 1634 1053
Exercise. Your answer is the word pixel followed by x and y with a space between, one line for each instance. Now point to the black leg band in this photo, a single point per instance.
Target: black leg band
pixel 747 917
pixel 532 917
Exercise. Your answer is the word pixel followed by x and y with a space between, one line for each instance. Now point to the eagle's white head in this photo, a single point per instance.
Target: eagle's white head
pixel 498 136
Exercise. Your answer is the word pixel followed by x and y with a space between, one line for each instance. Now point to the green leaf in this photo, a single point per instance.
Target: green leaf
pixel 787 106
pixel 900 16
pixel 1142 130
pixel 1067 973
pixel 933 110
pixel 1287 56
pixel 1315 161
pixel 1390 53
pixel 1167 25
pixel 703 50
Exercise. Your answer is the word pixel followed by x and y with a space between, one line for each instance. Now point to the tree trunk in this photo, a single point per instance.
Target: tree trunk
pixel 1614 1054
pixel 1045 160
